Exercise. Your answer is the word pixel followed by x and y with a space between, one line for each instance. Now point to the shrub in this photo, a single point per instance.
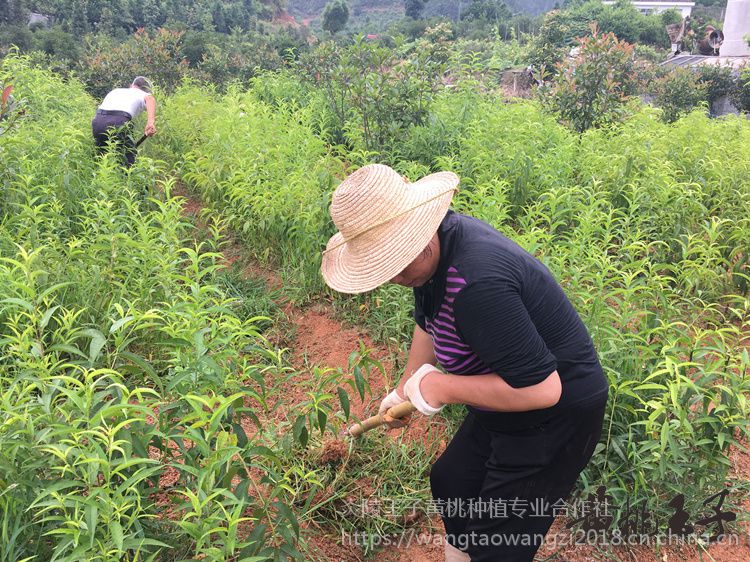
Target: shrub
pixel 335 16
pixel 156 55
pixel 17 35
pixel 413 8
pixel 740 94
pixel 560 28
pixel 57 43
pixel 679 92
pixel 591 89
pixel 225 63
pixel 439 136
pixel 372 93
pixel 556 36
pixel 649 54
pixel 719 81
pixel 262 166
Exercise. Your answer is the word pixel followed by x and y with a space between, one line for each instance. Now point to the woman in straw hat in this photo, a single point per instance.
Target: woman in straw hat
pixel 511 348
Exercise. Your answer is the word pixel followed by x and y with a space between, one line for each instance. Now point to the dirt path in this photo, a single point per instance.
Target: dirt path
pixel 317 339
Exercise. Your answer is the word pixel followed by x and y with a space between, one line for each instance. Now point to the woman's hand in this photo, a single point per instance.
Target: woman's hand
pixel 422 393
pixel 420 353
pixel 393 399
pixel 431 391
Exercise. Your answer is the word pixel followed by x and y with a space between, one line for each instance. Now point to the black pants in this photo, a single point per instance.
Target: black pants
pixel 504 479
pixel 117 129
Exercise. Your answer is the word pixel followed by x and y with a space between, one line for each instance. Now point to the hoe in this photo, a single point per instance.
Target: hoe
pixel 398 411
pixel 335 450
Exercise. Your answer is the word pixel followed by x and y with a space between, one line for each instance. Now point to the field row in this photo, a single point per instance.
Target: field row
pixel 644 224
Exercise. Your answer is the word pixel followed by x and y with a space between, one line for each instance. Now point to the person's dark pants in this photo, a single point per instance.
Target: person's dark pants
pixel 501 478
pixel 115 127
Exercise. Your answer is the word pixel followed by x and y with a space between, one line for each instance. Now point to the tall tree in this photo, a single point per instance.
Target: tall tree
pixel 493 11
pixel 335 16
pixel 14 12
pixel 414 8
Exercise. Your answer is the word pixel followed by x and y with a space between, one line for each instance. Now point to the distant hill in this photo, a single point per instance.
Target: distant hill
pixel 449 8
pixel 311 9
pixel 533 7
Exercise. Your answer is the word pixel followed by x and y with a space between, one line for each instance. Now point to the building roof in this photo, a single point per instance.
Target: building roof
pixel 657 4
pixel 700 60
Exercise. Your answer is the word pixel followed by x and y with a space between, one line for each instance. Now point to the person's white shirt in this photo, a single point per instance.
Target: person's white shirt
pixel 131 100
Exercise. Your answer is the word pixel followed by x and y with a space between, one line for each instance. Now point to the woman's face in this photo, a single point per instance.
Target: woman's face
pixel 421 270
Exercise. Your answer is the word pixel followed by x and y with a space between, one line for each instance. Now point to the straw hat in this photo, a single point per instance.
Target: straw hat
pixel 384 223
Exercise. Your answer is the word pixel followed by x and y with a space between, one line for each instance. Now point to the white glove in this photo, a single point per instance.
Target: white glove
pixel 393 399
pixel 413 393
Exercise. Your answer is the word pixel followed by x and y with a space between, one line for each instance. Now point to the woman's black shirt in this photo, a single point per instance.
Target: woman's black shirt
pixel 493 307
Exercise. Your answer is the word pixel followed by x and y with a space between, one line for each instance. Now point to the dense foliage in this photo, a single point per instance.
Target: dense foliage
pixel 125 16
pixel 132 388
pixel 414 8
pixel 372 94
pixel 679 92
pixel 643 224
pixel 144 414
pixel 592 88
pixel 335 16
pixel 741 93
pixel 560 28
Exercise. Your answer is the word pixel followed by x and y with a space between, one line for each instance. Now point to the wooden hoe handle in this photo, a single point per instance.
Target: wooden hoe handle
pixel 397 411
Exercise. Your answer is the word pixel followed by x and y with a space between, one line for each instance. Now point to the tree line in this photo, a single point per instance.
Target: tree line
pixel 116 17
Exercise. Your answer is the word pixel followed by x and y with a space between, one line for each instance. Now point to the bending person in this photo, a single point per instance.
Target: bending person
pixel 113 119
pixel 512 346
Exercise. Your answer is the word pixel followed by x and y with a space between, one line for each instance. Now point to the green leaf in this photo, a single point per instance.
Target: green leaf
pixel 120 323
pixel 299 425
pixel 97 343
pixel 92 515
pixel 344 399
pixel 650 386
pixel 22 303
pixel 359 382
pixel 322 419
pixel 174 342
pixel 51 289
pixel 46 318
pixel 288 515
pixel 262 451
pixel 117 534
pixel 241 435
pixel 144 365
pixel 231 473
pixel 72 350
pixel 241 491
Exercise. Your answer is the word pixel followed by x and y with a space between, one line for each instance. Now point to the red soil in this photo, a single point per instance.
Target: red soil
pixel 334 452
pixel 284 18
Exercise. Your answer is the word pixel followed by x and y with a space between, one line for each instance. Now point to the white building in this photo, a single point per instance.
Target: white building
pixel 40 19
pixel 685 8
pixel 736 28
